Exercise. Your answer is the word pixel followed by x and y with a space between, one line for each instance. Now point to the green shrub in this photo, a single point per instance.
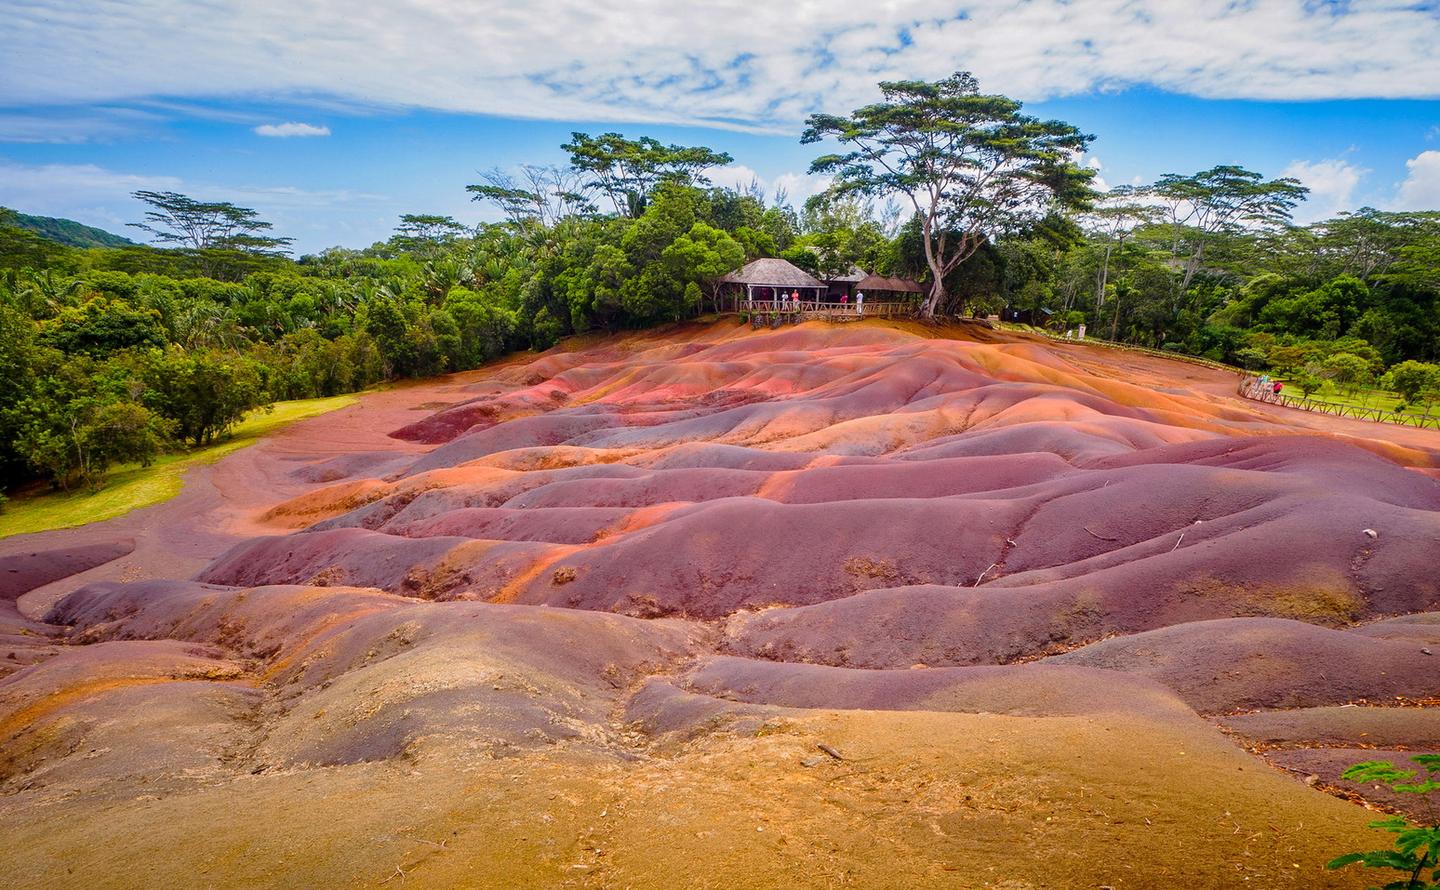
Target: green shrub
pixel 1416 849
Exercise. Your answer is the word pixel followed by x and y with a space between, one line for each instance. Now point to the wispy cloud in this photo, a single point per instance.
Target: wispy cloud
pixel 293 128
pixel 100 196
pixel 756 65
pixel 74 125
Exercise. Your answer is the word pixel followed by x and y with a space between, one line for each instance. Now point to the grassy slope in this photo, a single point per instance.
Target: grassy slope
pixel 131 487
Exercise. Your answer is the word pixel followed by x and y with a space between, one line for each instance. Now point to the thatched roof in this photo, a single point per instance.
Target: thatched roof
pixel 889 285
pixel 771 272
pixel 855 274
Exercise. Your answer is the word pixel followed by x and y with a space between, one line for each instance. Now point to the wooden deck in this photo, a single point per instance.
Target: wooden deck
pixel 773 313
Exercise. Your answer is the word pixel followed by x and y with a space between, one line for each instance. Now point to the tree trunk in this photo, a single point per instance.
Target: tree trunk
pixel 1103 278
pixel 934 298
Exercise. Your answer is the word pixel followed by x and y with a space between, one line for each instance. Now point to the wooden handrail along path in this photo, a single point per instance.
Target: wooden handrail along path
pixel 773 313
pixel 1250 389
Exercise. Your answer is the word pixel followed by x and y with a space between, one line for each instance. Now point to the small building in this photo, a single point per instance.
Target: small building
pixel 770 278
pixel 1039 318
pixel 844 285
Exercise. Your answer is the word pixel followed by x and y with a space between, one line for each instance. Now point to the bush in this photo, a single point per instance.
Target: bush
pixel 204 393
pixel 1416 849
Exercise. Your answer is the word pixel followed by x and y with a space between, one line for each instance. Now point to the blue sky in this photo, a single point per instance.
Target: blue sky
pixel 395 110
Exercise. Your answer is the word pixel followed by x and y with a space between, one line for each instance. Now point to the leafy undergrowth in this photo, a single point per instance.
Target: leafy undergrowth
pixel 132 487
pixel 1416 850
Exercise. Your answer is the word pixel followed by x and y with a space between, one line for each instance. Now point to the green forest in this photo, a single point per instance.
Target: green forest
pixel 117 352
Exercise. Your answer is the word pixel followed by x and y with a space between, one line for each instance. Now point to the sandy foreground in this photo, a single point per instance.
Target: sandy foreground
pixel 873 605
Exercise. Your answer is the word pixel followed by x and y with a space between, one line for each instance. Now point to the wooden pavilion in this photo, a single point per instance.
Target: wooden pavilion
pixel 764 291
pixel 769 279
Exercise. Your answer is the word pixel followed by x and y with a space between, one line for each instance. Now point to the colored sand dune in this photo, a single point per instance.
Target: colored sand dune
pixel 1059 618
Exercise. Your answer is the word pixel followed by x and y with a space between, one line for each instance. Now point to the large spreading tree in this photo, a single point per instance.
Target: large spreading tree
pixel 628 170
pixel 1222 201
pixel 971 165
pixel 178 220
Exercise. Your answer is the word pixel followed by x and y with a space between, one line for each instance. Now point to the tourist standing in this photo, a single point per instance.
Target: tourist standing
pixel 860 302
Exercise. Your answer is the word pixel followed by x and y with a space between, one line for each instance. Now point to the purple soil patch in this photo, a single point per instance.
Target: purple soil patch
pixel 555 525
pixel 351 466
pixel 428 568
pixel 1329 763
pixel 711 559
pixel 1247 663
pixel 366 676
pixel 1413 728
pixel 1422 628
pixel 1018 690
pixel 23 572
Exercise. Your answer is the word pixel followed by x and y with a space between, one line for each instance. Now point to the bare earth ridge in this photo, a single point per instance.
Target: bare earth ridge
pixel 881 605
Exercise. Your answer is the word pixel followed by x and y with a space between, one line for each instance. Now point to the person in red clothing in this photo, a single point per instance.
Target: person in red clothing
pixel 1276 388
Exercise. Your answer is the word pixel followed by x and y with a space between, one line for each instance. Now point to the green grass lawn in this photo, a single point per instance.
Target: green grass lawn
pixel 132 486
pixel 1381 399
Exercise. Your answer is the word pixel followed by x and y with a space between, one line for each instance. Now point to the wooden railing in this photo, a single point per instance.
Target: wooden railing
pixel 777 312
pixel 1252 390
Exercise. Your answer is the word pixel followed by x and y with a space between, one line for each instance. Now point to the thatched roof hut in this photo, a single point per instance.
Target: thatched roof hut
pixel 772 272
pixel 770 278
pixel 883 285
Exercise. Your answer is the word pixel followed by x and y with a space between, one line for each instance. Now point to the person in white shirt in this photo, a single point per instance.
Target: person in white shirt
pixel 860 303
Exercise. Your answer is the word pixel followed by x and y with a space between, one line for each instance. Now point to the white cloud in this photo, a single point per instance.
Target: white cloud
pixel 1421 188
pixel 726 63
pixel 795 187
pixel 800 187
pixel 1332 186
pixel 292 128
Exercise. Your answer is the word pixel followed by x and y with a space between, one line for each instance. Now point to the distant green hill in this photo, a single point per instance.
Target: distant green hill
pixel 68 231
